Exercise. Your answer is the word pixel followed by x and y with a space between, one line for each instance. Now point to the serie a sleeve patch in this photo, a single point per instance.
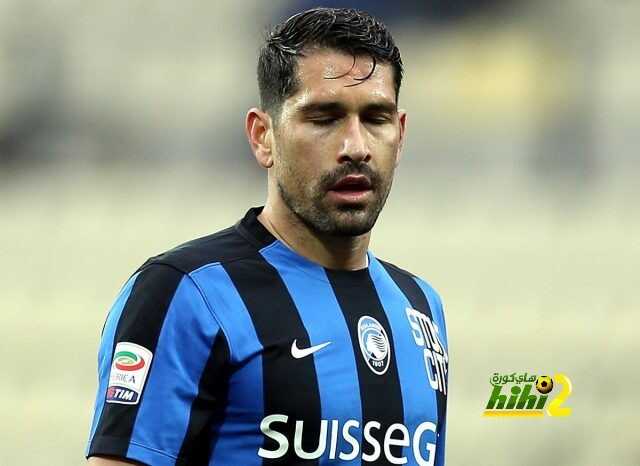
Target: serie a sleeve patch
pixel 128 373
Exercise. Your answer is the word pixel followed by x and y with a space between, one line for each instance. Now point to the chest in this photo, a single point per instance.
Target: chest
pixel 364 362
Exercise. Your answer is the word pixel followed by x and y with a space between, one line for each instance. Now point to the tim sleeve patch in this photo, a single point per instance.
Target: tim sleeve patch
pixel 128 373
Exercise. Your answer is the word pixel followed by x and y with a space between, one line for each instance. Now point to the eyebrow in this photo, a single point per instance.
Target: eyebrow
pixel 334 107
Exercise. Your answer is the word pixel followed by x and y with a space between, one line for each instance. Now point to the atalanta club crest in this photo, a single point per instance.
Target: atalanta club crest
pixel 374 344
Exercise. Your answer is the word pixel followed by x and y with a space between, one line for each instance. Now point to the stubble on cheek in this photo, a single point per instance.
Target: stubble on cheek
pixel 303 188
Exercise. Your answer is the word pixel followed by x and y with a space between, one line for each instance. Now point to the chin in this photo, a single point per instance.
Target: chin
pixel 359 223
pixel 352 231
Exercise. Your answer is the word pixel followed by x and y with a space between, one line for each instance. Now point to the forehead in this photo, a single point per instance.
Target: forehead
pixel 328 75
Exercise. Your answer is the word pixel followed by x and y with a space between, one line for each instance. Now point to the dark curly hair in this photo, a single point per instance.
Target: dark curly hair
pixel 346 30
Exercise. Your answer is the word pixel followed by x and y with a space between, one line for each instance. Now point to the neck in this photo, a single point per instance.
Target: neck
pixel 332 252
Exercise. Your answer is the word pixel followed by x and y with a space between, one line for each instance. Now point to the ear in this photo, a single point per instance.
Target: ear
pixel 258 128
pixel 402 122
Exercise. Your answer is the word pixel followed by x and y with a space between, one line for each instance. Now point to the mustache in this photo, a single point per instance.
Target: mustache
pixel 329 179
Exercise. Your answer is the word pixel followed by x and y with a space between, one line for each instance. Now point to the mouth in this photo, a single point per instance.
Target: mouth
pixel 351 188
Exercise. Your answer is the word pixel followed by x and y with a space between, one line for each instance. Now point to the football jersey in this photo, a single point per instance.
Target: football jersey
pixel 235 350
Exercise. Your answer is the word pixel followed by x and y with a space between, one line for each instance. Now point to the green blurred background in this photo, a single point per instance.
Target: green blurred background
pixel 121 136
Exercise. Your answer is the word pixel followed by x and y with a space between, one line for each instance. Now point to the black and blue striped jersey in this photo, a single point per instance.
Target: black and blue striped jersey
pixel 234 350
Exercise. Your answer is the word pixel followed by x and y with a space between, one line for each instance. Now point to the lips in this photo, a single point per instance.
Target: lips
pixel 352 183
pixel 351 190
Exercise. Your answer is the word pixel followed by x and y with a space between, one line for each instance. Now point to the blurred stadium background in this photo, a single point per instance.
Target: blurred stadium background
pixel 517 198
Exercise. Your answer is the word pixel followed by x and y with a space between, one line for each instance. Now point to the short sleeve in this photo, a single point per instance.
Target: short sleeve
pixel 162 368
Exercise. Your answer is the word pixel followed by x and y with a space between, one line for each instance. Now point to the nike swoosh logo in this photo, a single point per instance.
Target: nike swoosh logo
pixel 301 353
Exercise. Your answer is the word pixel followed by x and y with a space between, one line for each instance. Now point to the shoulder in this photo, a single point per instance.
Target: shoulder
pixel 173 277
pixel 397 271
pixel 419 290
pixel 404 276
pixel 163 291
pixel 223 246
pixel 169 276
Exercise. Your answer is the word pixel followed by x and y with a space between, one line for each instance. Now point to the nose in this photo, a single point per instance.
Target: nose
pixel 354 144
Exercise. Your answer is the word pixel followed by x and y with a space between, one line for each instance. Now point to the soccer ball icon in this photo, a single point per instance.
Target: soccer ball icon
pixel 544 384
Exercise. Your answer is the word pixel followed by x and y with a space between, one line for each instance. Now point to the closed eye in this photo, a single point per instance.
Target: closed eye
pixel 325 121
pixel 377 119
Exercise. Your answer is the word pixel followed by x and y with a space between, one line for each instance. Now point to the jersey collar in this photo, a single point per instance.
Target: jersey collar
pixel 255 232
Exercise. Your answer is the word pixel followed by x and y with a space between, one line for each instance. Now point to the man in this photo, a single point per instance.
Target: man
pixel 282 339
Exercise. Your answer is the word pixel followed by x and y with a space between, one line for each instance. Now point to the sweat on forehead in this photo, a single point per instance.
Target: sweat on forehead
pixel 335 64
pixel 328 81
pixel 334 72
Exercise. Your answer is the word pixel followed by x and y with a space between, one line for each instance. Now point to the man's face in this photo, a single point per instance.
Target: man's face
pixel 337 144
